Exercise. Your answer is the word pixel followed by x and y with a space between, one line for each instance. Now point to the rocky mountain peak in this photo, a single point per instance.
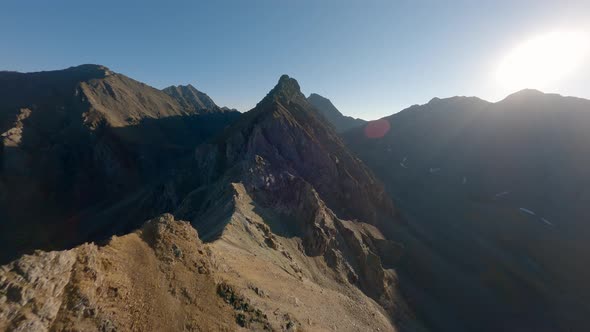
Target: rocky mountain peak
pixel 285 179
pixel 288 132
pixel 191 98
pixel 286 91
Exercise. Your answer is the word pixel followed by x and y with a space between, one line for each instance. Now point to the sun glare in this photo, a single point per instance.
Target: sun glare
pixel 543 60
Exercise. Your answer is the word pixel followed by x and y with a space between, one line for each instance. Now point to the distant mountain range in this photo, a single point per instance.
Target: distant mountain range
pixel 495 193
pixel 171 213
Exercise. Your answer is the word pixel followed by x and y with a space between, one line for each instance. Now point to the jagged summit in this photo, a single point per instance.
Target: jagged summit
pixel 285 129
pixel 191 98
pixel 281 180
pixel 286 90
pixel 284 102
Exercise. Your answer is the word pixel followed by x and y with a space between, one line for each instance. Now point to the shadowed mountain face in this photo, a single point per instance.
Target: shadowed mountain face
pixel 332 114
pixel 281 178
pixel 495 197
pixel 81 140
pixel 287 129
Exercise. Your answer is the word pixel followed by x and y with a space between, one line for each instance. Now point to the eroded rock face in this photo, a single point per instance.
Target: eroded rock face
pixel 304 186
pixel 351 248
pixel 158 279
pixel 284 130
pixel 32 290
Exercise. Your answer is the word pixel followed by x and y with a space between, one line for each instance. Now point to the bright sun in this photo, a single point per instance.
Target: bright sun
pixel 543 60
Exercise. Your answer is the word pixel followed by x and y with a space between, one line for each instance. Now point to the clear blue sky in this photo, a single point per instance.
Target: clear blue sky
pixel 371 58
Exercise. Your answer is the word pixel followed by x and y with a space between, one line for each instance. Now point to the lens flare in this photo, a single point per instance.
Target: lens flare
pixel 377 128
pixel 543 60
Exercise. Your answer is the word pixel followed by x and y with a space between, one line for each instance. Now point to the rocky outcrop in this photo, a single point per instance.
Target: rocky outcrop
pixel 351 248
pixel 33 289
pixel 163 278
pixel 159 278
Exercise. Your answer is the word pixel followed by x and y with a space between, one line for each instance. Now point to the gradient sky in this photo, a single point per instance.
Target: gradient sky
pixel 371 58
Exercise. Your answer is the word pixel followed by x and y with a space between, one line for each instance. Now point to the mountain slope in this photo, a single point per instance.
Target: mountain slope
pixel 493 195
pixel 84 138
pixel 291 219
pixel 158 278
pixel 285 129
pixel 293 196
pixel 332 114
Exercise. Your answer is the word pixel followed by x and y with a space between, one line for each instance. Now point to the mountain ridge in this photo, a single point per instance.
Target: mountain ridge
pixel 464 172
pixel 462 215
pixel 281 203
pixel 80 137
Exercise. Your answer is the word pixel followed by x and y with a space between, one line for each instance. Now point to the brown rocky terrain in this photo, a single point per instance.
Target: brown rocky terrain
pixel 163 278
pixel 158 278
pixel 297 232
